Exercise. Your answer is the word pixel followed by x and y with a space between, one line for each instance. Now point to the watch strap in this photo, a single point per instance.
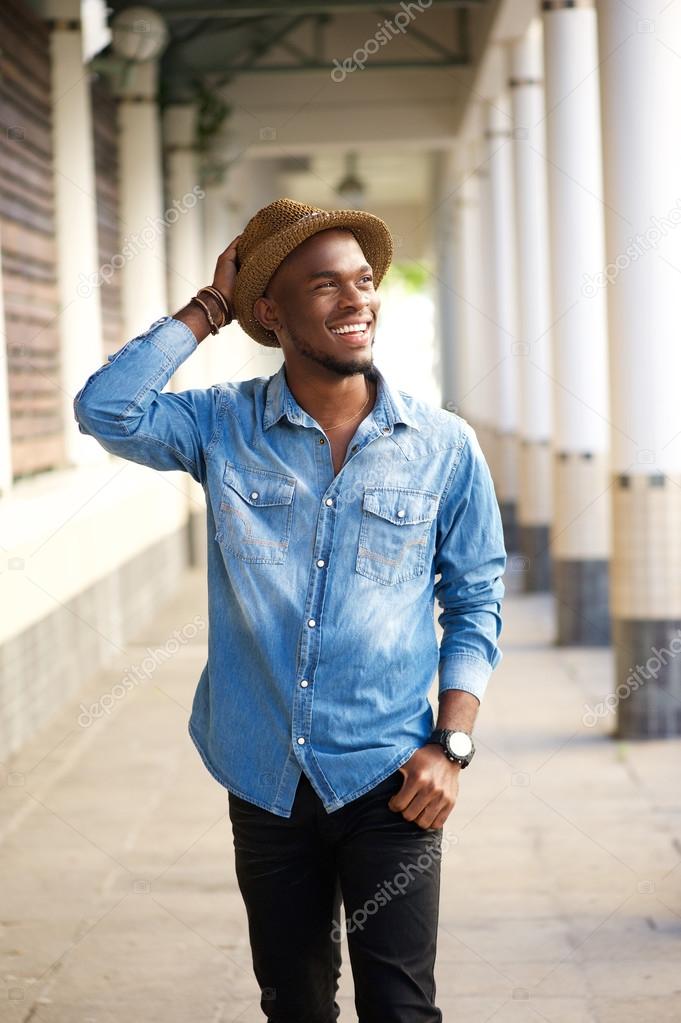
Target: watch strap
pixel 439 736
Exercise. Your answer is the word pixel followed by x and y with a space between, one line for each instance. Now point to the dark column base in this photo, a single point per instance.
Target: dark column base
pixel 647 688
pixel 533 545
pixel 582 602
pixel 509 521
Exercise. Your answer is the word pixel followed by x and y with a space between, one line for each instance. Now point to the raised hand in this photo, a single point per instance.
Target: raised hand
pixel 226 271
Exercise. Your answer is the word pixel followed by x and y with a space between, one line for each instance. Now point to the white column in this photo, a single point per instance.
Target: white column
pixel 184 195
pixel 640 74
pixel 232 355
pixel 5 426
pixel 468 323
pixel 218 230
pixel 488 356
pixel 472 357
pixel 241 191
pixel 217 224
pixel 260 184
pixel 581 525
pixel 185 253
pixel 502 271
pixel 477 369
pixel 80 318
pixel 254 183
pixel 444 198
pixel 533 348
pixel 143 224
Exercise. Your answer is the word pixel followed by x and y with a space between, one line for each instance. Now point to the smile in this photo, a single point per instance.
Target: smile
pixel 357 332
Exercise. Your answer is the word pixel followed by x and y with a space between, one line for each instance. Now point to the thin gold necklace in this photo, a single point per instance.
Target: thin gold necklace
pixel 336 425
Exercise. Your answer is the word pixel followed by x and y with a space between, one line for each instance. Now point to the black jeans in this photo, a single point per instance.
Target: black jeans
pixel 293 872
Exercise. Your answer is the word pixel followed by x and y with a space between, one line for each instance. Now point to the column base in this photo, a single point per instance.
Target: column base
pixel 533 545
pixel 582 602
pixel 647 678
pixel 509 520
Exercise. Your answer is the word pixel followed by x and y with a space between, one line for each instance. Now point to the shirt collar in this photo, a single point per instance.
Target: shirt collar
pixel 389 408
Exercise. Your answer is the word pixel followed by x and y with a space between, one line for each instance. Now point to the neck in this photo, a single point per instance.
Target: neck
pixel 330 398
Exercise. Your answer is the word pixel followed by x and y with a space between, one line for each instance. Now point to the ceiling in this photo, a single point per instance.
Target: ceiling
pixel 266 78
pixel 214 42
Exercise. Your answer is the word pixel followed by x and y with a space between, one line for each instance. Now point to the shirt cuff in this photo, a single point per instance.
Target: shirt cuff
pixel 172 337
pixel 460 671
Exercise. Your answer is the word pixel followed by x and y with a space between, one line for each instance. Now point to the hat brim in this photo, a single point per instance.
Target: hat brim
pixel 252 279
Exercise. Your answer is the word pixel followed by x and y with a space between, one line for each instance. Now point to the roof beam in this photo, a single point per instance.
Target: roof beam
pixel 288 7
pixel 429 65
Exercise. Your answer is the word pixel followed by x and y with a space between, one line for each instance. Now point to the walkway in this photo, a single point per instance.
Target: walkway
pixel 561 882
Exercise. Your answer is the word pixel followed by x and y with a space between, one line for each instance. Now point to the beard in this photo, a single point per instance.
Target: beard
pixel 343 367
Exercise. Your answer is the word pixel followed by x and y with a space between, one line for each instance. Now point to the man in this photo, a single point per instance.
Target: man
pixel 338 508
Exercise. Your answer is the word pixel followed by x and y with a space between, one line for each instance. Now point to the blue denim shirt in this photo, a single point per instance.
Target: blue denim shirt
pixel 321 634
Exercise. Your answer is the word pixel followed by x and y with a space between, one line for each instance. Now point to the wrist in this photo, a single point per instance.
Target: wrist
pixel 223 303
pixel 456 744
pixel 216 309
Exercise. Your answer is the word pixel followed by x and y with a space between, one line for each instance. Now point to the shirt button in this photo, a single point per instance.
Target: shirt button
pixel 301 741
pixel 304 683
pixel 401 513
pixel 255 494
pixel 329 500
pixel 322 440
pixel 321 563
pixel 354 447
pixel 311 622
pixel 386 429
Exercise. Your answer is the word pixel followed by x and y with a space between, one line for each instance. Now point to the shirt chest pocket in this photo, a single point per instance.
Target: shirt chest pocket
pixel 256 509
pixel 394 535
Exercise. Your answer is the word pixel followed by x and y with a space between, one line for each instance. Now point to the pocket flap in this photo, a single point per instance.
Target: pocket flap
pixel 260 487
pixel 403 507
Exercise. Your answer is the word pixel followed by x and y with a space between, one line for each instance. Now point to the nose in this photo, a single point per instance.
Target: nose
pixel 354 297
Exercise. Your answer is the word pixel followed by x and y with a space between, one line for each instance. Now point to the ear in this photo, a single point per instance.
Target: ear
pixel 264 310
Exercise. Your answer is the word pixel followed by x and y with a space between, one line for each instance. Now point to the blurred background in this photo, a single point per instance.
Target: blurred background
pixel 526 157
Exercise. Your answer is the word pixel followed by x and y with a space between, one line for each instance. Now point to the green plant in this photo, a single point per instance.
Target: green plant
pixel 409 276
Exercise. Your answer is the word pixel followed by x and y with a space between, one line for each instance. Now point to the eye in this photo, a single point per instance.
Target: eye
pixel 366 277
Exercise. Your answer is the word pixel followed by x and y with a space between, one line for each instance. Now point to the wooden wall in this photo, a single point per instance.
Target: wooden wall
pixel 28 244
pixel 109 230
pixel 27 230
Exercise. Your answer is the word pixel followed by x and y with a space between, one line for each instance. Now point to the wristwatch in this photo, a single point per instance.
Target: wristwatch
pixel 458 746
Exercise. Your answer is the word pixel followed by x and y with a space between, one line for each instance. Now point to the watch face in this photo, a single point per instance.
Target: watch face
pixel 459 744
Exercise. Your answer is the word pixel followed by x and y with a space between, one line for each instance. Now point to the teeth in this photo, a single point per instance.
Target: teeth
pixel 352 328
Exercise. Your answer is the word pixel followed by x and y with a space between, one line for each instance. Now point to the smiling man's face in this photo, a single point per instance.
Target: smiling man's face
pixel 323 285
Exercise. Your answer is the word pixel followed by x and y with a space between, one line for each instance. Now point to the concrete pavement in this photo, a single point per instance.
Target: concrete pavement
pixel 561 886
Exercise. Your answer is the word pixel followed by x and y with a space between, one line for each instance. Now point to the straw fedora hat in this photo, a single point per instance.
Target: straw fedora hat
pixel 276 230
